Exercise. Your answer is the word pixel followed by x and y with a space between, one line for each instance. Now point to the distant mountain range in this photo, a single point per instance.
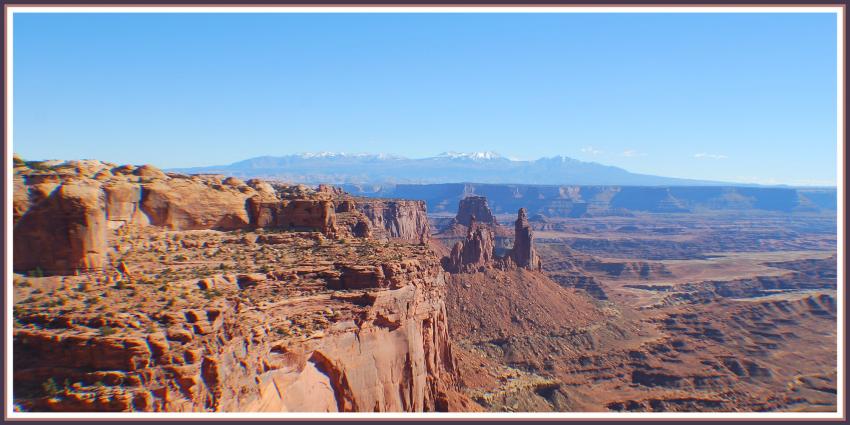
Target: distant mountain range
pixel 448 167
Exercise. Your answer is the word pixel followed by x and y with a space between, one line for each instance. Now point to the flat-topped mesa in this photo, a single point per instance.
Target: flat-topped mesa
pixel 523 253
pixel 474 207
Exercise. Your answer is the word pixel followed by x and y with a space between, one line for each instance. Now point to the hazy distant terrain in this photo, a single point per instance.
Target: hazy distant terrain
pixel 449 167
pixel 577 201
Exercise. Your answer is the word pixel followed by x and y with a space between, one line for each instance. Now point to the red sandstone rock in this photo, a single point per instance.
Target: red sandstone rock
pixel 63 233
pixel 396 219
pixel 523 252
pixel 473 253
pixel 474 208
pixel 182 204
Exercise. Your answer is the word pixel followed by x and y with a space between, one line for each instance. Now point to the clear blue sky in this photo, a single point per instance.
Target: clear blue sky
pixel 733 97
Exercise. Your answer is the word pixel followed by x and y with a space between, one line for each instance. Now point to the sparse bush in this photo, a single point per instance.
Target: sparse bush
pixel 37 272
pixel 107 330
pixel 50 388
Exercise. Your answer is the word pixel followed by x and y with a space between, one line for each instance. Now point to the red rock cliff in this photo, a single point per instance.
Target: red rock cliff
pixel 282 315
pixel 396 219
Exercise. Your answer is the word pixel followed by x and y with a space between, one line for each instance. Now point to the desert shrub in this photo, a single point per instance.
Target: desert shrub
pixel 50 387
pixel 107 330
pixel 36 272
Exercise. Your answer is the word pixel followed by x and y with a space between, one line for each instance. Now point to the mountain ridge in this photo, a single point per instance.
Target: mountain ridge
pixel 446 167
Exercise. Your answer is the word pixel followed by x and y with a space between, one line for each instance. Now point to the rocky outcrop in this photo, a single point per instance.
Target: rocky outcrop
pixel 293 214
pixel 123 204
pixel 64 231
pixel 395 219
pixel 474 208
pixel 185 204
pixel 523 252
pixel 478 250
pixel 74 204
pixel 475 253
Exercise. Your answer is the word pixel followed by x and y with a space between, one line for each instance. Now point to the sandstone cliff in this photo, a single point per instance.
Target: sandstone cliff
pixel 397 219
pixel 203 293
pixel 72 205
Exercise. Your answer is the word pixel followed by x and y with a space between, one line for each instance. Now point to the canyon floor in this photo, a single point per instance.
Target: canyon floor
pixel 655 312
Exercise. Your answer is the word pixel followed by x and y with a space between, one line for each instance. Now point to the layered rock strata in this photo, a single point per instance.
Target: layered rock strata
pixel 62 211
pixel 329 332
pixel 203 293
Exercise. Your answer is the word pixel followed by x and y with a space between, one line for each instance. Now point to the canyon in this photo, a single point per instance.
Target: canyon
pixel 138 289
pixel 633 326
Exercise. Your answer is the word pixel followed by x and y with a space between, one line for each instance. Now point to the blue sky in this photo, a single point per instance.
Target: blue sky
pixel 731 97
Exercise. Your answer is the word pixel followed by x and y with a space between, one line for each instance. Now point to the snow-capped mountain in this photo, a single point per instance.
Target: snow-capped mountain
pixel 447 167
pixel 475 156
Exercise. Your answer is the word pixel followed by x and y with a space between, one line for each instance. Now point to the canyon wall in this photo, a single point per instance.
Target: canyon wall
pixel 578 201
pixel 386 349
pixel 175 293
pixel 397 219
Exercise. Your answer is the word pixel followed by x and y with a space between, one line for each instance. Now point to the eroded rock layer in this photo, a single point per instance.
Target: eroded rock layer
pixel 62 211
pixel 202 293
